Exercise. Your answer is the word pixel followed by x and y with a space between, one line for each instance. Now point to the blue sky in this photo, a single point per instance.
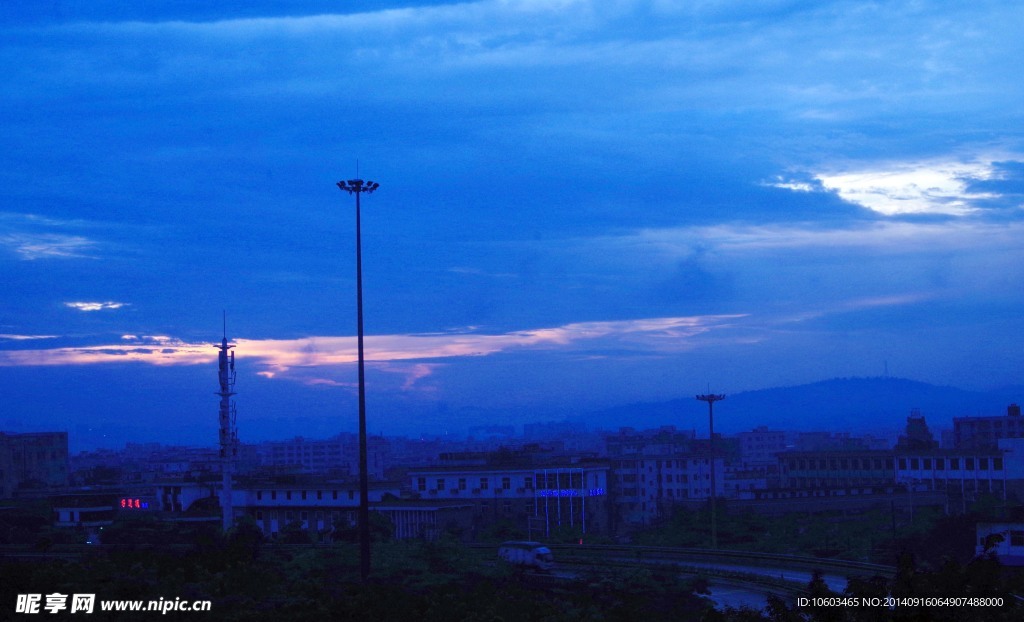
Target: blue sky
pixel 582 204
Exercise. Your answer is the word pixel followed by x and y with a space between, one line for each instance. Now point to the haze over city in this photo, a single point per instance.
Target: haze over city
pixel 582 205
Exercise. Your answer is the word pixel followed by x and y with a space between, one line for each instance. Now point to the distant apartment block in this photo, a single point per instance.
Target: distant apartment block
pixel 33 461
pixel 655 470
pixel 337 455
pixel 985 432
pixel 646 487
pixel 759 447
pixel 664 441
pixel 837 441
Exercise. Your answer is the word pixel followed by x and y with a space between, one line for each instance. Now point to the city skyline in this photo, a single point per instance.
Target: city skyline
pixel 582 205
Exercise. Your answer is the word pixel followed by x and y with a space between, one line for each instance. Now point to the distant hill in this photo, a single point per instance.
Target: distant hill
pixel 862 405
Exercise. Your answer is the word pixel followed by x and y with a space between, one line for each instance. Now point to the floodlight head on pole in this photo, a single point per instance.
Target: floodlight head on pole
pixel 710 397
pixel 358 185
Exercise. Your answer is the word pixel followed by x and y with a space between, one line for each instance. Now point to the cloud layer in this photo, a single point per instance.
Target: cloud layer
pixel 804 188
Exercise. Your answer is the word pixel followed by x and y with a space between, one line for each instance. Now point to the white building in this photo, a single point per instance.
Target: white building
pixel 965 473
pixel 539 499
pixel 1008 547
pixel 647 487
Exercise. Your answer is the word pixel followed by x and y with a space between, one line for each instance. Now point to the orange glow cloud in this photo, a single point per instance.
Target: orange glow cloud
pixel 277 356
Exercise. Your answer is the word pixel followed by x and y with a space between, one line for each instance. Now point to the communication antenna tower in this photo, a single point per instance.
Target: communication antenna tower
pixel 228 428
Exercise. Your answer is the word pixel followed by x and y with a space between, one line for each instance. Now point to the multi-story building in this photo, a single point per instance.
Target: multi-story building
pixel 655 470
pixel 664 441
pixel 338 455
pixel 836 469
pixel 758 448
pixel 33 460
pixel 917 435
pixel 317 506
pixel 837 441
pixel 967 473
pixel 985 432
pixel 540 499
pixel 960 472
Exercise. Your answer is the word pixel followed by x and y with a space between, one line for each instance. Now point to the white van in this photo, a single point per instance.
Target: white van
pixel 530 554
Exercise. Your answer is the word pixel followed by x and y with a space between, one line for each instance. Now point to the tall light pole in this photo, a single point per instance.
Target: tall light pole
pixel 711 398
pixel 358 187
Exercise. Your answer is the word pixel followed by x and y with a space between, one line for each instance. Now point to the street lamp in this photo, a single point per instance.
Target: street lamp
pixel 711 399
pixel 358 187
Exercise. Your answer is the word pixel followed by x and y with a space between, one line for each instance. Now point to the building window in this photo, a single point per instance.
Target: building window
pixel 303 495
pixel 288 495
pixel 421 484
pixel 259 494
pixel 351 495
pixel 484 483
pixel 927 464
pixel 983 464
pixel 506 483
pixel 273 495
pixel 954 463
pixel 914 464
pixel 319 495
pixel 440 484
pixel 304 516
pixel 528 482
pixel 903 464
pixel 462 483
pixel 940 464
pixel 1017 538
pixel 997 464
pixel 969 464
pixel 334 495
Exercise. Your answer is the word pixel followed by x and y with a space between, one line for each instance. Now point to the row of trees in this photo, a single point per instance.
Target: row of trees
pixel 247 578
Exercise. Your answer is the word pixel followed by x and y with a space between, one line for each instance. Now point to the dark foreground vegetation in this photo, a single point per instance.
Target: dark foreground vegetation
pixel 246 578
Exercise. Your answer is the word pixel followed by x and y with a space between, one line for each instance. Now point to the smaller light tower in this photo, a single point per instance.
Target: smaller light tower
pixel 711 398
pixel 228 431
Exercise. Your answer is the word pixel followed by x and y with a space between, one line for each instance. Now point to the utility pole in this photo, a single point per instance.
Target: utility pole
pixel 358 187
pixel 711 398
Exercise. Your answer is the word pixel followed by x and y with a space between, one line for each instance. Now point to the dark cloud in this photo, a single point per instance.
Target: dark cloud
pixel 1006 184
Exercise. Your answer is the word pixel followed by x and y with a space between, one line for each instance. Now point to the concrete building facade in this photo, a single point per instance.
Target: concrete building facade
pixel 36 460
